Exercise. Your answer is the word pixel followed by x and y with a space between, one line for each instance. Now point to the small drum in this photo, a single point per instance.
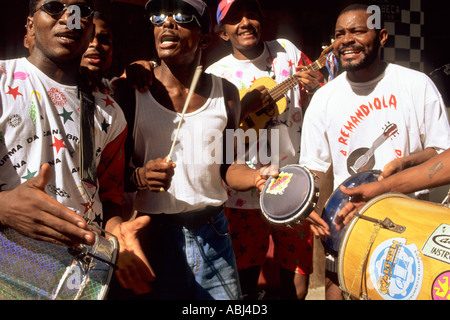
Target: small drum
pixel 37 270
pixel 336 202
pixel 396 248
pixel 289 198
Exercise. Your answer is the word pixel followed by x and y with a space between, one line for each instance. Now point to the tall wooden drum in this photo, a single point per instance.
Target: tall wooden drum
pixel 397 248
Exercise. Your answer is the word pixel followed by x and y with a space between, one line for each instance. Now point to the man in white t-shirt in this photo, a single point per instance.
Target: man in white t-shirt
pixel 370 117
pixel 251 59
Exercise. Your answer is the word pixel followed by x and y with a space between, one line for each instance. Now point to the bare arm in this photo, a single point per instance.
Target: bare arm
pixel 433 173
pixel 400 164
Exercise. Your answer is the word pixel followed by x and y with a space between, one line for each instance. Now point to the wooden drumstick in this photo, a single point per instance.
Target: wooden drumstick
pixel 198 72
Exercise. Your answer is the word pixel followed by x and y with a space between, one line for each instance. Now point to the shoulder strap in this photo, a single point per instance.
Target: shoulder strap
pixel 88 170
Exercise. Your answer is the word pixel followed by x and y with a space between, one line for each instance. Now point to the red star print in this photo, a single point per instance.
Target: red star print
pixel 254 79
pixel 14 92
pixel 88 206
pixel 109 102
pixel 59 143
pixel 291 64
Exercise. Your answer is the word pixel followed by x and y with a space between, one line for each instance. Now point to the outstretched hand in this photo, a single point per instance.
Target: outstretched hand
pixel 135 272
pixel 30 211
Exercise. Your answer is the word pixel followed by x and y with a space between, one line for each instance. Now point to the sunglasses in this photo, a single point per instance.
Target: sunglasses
pixel 159 19
pixel 56 8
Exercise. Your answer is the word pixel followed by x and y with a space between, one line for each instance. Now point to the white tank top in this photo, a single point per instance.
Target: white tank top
pixel 197 182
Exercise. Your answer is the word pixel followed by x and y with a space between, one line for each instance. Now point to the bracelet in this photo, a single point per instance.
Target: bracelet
pixel 136 179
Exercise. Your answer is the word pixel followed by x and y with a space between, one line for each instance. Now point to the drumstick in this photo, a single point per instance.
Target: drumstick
pixel 197 74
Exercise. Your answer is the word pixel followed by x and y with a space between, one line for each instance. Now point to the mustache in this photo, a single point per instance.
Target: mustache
pixel 346 47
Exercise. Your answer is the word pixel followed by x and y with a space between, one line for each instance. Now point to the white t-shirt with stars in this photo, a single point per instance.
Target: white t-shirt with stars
pixel 39 123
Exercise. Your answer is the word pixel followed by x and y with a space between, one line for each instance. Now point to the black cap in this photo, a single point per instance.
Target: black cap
pixel 200 10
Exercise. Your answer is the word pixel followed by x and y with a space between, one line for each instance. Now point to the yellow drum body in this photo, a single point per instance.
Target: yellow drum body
pixel 404 255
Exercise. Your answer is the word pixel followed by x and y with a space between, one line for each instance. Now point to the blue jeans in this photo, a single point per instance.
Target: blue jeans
pixel 194 264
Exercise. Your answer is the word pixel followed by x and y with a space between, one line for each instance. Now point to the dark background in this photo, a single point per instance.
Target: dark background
pixel 308 24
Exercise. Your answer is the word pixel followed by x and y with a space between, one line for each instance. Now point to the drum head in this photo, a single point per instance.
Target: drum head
pixel 285 199
pixel 336 202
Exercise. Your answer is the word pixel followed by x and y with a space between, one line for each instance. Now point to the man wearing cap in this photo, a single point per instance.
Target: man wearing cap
pixel 239 24
pixel 187 242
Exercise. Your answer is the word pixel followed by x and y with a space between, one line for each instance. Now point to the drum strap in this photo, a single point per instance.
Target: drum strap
pixel 364 261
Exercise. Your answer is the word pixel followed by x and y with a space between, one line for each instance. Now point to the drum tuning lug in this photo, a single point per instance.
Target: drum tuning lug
pixel 390 225
pixel 386 223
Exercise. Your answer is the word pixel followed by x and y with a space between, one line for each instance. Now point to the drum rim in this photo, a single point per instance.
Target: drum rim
pixel 298 214
pixel 350 226
pixel 327 248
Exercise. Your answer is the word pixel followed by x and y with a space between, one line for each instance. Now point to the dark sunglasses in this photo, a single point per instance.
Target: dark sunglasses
pixel 159 19
pixel 55 8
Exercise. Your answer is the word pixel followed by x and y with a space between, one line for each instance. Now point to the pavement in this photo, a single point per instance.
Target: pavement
pixel 316 293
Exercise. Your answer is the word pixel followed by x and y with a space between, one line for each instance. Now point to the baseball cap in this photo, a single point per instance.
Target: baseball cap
pixel 200 10
pixel 225 5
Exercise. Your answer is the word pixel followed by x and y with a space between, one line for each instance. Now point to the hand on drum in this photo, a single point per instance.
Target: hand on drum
pixel 358 196
pixel 134 271
pixel 157 174
pixel 318 226
pixel 392 167
pixel 30 211
pixel 265 173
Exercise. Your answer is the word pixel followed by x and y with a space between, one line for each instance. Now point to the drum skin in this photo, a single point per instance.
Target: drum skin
pixel 412 265
pixel 289 198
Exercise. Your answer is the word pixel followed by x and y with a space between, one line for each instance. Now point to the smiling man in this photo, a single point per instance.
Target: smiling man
pixel 375 109
pixel 240 26
pixel 43 195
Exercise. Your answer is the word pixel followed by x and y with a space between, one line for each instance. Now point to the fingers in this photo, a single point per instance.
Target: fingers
pixel 265 173
pixel 309 79
pixel 135 272
pixel 37 215
pixel 317 225
pixel 345 215
pixel 140 75
pixel 157 174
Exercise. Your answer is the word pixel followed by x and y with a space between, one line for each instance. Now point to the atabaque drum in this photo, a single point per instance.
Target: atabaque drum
pixel 289 198
pixel 396 248
pixel 336 202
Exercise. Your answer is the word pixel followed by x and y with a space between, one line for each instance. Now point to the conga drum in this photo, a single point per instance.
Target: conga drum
pixel 396 248
pixel 289 198
pixel 336 202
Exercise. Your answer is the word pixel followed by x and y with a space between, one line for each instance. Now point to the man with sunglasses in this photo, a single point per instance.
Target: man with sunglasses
pixel 42 195
pixel 187 242
pixel 240 25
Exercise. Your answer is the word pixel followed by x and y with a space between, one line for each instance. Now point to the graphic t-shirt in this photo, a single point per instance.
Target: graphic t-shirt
pixel 362 126
pixel 278 61
pixel 40 123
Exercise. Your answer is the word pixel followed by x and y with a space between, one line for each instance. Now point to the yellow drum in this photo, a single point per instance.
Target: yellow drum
pixel 397 248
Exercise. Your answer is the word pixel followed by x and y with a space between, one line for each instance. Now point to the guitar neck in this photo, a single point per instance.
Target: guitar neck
pixel 279 90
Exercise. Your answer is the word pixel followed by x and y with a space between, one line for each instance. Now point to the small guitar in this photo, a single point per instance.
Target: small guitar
pixel 258 120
